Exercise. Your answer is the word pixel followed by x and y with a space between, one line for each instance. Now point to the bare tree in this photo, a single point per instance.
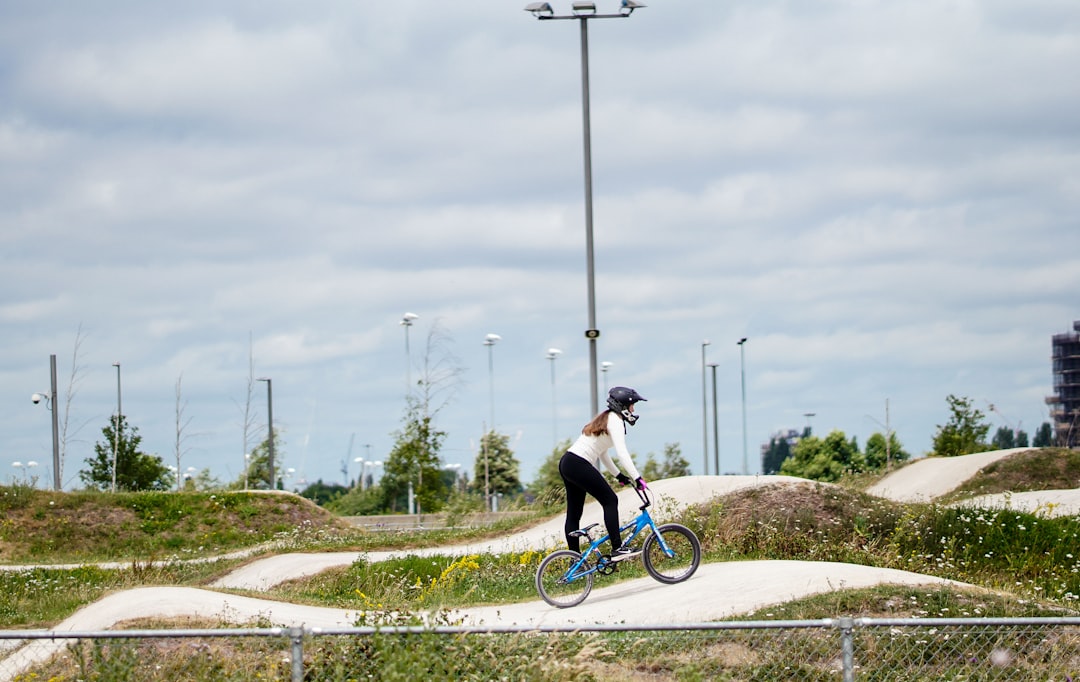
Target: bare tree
pixel 442 373
pixel 249 417
pixel 181 428
pixel 72 389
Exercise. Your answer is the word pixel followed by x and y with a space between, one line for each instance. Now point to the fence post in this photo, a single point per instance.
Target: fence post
pixel 296 634
pixel 847 647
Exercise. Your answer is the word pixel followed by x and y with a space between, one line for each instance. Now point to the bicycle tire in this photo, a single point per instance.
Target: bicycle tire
pixel 551 580
pixel 686 547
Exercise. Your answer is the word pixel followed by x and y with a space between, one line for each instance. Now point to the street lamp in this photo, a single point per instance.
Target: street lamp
pixel 704 409
pixel 715 422
pixel 364 464
pixel 553 353
pixel 270 428
pixel 485 442
pixel 808 415
pixel 582 12
pixel 116 426
pixel 742 373
pixel 490 340
pixel 50 404
pixel 604 367
pixel 407 321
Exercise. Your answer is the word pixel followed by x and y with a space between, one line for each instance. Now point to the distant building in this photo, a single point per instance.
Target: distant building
pixel 1065 404
pixel 779 448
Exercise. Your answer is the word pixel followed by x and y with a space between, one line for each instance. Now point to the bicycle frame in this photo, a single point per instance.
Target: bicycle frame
pixel 639 523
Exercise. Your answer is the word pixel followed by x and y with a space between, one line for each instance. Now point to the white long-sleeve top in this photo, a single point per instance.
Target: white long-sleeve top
pixel 594 449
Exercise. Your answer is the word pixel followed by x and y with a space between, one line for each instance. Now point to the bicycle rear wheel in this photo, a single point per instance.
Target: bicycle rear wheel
pixel 684 560
pixel 554 583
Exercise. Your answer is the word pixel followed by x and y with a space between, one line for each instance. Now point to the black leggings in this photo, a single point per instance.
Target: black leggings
pixel 583 478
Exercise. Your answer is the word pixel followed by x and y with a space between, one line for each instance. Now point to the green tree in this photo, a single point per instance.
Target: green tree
pixel 496 470
pixel 320 493
pixel 824 459
pixel 673 465
pixel 135 470
pixel 414 461
pixel 257 475
pixel 548 485
pixel 202 480
pixel 1021 439
pixel 1044 437
pixel 356 502
pixel 1004 438
pixel 878 456
pixel 965 433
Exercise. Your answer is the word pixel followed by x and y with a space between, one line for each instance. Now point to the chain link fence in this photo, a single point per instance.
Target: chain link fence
pixel 829 649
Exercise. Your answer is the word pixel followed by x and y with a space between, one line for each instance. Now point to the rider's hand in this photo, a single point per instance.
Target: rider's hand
pixel 623 478
pixel 640 484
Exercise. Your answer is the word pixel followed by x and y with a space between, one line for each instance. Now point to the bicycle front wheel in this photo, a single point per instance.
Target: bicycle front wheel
pixel 555 583
pixel 684 558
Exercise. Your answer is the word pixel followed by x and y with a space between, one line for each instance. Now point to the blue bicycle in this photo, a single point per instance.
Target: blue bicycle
pixel 671 553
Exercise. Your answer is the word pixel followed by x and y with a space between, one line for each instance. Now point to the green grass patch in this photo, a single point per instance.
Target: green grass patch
pixel 42 597
pixel 1038 469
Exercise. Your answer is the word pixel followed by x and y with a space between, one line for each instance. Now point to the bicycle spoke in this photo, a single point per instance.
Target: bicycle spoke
pixel 680 561
pixel 557 585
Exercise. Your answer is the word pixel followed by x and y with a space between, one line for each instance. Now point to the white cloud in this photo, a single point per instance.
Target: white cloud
pixel 881 196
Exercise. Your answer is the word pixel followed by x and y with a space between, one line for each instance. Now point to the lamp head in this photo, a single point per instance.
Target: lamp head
pixel 407 319
pixel 580 7
pixel 491 339
pixel 628 7
pixel 553 353
pixel 540 9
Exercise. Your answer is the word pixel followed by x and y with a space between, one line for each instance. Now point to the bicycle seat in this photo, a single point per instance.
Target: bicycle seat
pixel 584 532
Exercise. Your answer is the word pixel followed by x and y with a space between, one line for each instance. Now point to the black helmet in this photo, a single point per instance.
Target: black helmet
pixel 620 399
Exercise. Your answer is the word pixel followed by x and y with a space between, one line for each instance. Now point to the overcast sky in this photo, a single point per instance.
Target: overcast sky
pixel 884 197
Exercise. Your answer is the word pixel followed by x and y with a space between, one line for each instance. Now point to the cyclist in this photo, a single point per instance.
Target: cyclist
pixel 580 468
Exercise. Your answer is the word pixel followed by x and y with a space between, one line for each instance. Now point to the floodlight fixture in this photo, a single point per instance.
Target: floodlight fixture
pixel 540 9
pixel 583 11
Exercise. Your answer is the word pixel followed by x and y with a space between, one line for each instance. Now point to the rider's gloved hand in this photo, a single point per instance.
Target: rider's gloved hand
pixel 640 484
pixel 623 478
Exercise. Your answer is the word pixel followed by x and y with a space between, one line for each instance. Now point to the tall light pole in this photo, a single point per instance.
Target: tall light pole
pixel 553 353
pixel 704 411
pixel 270 428
pixel 742 373
pixel 715 424
pixel 604 367
pixel 407 321
pixel 808 415
pixel 485 442
pixel 50 404
pixel 490 340
pixel 582 12
pixel 116 426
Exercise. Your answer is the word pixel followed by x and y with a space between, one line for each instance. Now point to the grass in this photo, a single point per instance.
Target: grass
pixel 1027 562
pixel 1042 469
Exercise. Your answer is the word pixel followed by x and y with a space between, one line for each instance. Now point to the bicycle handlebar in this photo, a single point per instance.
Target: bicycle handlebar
pixel 644 497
